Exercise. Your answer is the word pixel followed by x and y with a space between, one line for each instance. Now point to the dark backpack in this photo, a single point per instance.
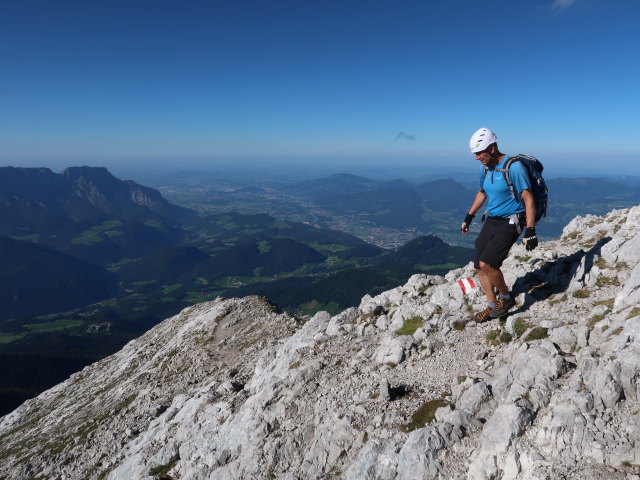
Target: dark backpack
pixel 539 188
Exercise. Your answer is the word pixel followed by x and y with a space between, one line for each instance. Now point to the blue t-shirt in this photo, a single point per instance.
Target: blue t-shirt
pixel 501 202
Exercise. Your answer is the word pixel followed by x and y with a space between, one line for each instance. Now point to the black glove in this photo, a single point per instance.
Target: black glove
pixel 530 240
pixel 464 228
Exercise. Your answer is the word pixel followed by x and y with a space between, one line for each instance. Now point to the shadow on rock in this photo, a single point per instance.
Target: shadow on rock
pixel 555 277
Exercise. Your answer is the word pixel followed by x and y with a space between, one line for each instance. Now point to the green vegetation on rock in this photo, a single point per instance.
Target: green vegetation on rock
pixel 410 326
pixel 537 333
pixel 584 293
pixel 520 325
pixel 425 414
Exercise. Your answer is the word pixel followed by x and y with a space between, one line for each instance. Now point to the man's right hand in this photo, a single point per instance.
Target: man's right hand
pixel 464 228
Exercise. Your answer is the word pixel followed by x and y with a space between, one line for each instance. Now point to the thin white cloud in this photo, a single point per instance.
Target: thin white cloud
pixel 562 4
pixel 404 136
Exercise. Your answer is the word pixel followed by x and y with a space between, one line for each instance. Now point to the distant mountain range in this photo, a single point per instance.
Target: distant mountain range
pixel 392 212
pixel 395 204
pixel 37 200
pixel 570 190
pixel 86 212
pixel 399 204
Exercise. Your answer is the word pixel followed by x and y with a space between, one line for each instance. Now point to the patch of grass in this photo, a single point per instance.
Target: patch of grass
pixel 559 300
pixel 410 326
pixel 161 470
pixel 493 337
pixel 28 424
pixel 538 333
pixel 93 234
pixel 461 379
pixel 634 313
pixel 125 403
pixel 583 293
pixel 143 283
pixel 440 266
pixel 264 246
pixel 95 467
pixel 622 265
pixel 61 324
pixel 523 258
pixel 10 337
pixel 34 237
pixel 153 224
pixel 313 307
pixel 520 326
pixel 505 337
pixel 617 331
pixel 294 365
pixel 87 238
pixel 604 328
pixel 496 337
pixel 173 287
pixel 424 415
pixel 594 320
pixel 600 263
pixel 603 281
pixel 608 302
pixel 172 353
pixel 459 326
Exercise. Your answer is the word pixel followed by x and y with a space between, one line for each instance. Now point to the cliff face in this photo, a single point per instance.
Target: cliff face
pixel 38 201
pixel 232 390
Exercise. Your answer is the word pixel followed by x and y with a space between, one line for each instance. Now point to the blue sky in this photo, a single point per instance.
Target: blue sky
pixel 90 81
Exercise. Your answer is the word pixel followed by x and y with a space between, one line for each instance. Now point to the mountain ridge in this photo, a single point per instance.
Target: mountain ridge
pixel 76 194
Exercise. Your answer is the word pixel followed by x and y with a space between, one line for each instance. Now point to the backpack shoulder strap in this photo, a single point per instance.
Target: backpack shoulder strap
pixel 507 177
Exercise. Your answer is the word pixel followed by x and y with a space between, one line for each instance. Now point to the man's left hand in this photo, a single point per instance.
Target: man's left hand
pixel 530 239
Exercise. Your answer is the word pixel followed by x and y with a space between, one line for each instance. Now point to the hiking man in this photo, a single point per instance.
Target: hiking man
pixel 506 216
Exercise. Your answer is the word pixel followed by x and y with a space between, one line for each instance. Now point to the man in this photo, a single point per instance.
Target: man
pixel 506 217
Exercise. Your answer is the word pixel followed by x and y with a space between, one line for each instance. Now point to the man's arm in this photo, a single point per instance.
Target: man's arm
pixel 529 207
pixel 477 203
pixel 530 239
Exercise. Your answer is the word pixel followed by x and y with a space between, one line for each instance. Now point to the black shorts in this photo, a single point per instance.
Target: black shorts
pixel 494 242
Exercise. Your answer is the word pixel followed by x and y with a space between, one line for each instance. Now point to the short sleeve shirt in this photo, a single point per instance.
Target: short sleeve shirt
pixel 500 201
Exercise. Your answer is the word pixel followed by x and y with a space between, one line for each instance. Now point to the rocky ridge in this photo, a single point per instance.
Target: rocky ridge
pixel 401 387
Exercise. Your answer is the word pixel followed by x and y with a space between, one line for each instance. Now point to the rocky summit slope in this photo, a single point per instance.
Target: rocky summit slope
pixel 402 387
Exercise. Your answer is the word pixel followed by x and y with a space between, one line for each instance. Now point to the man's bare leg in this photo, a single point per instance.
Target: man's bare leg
pixel 491 278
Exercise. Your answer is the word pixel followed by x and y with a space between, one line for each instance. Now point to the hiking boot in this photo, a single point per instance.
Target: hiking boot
pixel 482 316
pixel 502 307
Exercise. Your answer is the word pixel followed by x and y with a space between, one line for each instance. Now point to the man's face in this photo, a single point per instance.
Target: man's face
pixel 484 156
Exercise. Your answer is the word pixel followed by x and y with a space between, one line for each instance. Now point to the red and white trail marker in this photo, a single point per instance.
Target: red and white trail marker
pixel 466 285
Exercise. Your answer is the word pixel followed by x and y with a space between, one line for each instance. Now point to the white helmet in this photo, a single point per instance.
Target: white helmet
pixel 481 140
